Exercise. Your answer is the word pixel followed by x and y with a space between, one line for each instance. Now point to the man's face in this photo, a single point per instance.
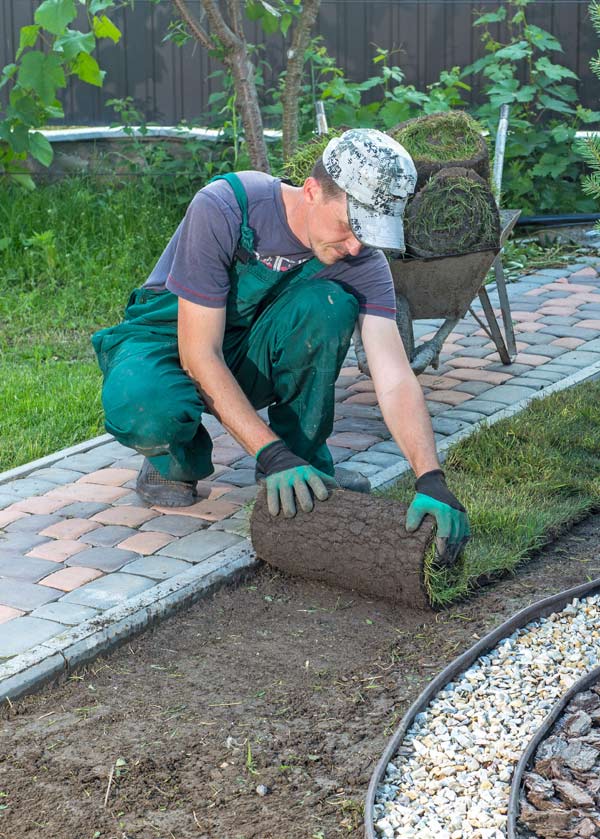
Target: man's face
pixel 328 228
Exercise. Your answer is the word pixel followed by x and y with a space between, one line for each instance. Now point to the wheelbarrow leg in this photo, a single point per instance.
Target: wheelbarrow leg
pixel 495 332
pixel 509 331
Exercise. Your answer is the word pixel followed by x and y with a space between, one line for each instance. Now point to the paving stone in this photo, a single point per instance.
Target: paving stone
pixel 363 386
pixel 514 369
pixel 568 343
pixel 132 499
pixel 358 427
pixel 356 441
pixel 40 505
pixel 474 388
pixel 533 338
pixel 25 632
pixel 208 489
pixel 108 536
pixel 437 382
pixel 243 495
pixel 550 350
pixel 146 543
pixel 7 498
pixel 85 462
pixel 83 509
pixel 579 358
pixel 569 332
pixel 239 527
pixel 362 468
pixel 559 320
pixel 389 446
pixel 542 374
pixel 473 341
pixel 87 492
pixel 68 528
pixel 133 462
pixel 199 546
pixel 69 614
pixel 20 542
pixel 247 462
pixel 27 487
pixel 57 476
pixel 9 516
pixel 57 550
pixel 556 367
pixel 238 477
pixel 356 412
pixel 509 394
pixel 24 568
pixel 449 397
pixel 592 346
pixel 7 613
pixel 483 406
pixel 591 308
pixel 527 329
pixel 114 450
pixel 435 408
pixel 488 375
pixel 108 591
pixel 25 596
pixel 339 454
pixel 67 579
pixel 552 272
pixel 465 327
pixel 381 459
pixel 225 456
pixel 448 426
pixel 103 559
pixel 157 568
pixel 112 476
pixel 462 415
pixel 532 382
pixel 33 524
pixel 175 525
pixel 531 359
pixel 467 362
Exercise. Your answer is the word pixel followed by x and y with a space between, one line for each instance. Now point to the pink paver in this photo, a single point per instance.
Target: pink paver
pixel 528 327
pixel 490 376
pixel 465 361
pixel 109 477
pixel 7 516
pixel 87 492
pixel 563 311
pixel 571 287
pixel 69 528
pixel 207 509
pixel 363 386
pixel 450 397
pixel 354 440
pixel 437 382
pixel 589 324
pixel 71 578
pixel 525 316
pixel 535 292
pixel 207 489
pixel 366 398
pixel 58 550
pixel 7 613
pixel 532 360
pixel 585 272
pixel 40 505
pixel 146 542
pixel 127 514
pixel 569 343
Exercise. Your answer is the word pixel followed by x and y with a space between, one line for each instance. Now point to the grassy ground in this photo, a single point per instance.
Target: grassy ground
pixel 523 480
pixel 69 255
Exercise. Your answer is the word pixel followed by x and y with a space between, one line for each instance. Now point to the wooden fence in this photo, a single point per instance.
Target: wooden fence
pixel 169 83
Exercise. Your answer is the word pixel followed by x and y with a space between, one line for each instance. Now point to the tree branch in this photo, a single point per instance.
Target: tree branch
pixel 227 37
pixel 293 76
pixel 235 17
pixel 192 24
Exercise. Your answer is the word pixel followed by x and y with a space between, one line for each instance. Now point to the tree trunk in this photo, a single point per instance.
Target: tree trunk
pixel 351 541
pixel 293 76
pixel 242 70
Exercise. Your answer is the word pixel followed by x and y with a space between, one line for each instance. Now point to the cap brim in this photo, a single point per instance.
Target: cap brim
pixel 376 228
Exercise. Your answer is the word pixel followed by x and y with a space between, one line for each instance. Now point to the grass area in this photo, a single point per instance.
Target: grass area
pixel 449 136
pixel 70 253
pixel 523 480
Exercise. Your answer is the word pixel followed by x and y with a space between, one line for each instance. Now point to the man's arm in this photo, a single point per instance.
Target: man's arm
pixel 399 393
pixel 200 335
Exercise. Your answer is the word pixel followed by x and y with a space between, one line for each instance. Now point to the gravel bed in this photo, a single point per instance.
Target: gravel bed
pixel 560 797
pixel 450 779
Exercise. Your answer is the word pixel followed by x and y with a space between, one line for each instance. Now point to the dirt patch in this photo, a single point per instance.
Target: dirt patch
pixel 277 682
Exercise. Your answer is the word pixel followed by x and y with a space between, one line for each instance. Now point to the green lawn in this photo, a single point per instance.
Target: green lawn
pixel 523 480
pixel 69 255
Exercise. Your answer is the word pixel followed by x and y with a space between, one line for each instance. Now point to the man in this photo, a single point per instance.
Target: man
pixel 253 304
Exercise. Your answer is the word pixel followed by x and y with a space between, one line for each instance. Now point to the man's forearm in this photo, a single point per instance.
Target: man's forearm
pixel 405 414
pixel 226 400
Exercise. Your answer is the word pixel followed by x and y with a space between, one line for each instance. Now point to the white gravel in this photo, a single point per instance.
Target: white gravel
pixel 451 776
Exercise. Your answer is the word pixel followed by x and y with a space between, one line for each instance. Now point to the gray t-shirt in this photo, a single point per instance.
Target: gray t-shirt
pixel 194 264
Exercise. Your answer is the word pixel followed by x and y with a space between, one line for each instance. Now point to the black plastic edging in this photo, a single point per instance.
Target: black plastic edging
pixel 540 609
pixel 517 779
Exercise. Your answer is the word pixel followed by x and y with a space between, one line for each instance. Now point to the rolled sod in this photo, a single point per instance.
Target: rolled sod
pixel 437 141
pixel 454 213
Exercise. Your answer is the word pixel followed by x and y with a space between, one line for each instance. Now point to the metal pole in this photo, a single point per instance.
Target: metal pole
pixel 322 127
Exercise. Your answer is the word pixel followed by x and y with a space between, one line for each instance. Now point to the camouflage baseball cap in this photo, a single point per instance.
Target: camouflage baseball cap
pixel 378 175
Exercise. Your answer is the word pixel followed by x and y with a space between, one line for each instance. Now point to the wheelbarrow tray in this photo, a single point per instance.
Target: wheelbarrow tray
pixel 444 287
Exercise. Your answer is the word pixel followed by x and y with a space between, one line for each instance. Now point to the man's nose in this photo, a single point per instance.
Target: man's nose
pixel 353 246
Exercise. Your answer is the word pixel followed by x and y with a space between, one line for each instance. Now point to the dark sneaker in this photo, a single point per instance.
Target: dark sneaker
pixel 152 487
pixel 353 481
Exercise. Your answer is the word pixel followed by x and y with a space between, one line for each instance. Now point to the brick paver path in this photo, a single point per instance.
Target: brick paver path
pixel 75 539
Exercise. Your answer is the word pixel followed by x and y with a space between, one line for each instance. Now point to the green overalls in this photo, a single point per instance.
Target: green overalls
pixel 286 336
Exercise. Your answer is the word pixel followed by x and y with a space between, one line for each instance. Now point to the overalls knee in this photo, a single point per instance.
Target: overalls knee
pixel 286 336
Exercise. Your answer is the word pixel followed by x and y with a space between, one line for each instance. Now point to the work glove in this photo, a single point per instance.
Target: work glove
pixel 290 479
pixel 435 499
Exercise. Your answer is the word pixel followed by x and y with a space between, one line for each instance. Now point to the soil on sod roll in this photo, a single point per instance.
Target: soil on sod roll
pixel 276 683
pixel 454 213
pixel 440 140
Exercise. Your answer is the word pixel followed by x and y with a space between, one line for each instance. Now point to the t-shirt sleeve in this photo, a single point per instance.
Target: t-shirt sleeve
pixel 205 248
pixel 368 277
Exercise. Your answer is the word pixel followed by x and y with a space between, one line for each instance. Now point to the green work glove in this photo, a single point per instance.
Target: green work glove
pixel 435 499
pixel 290 479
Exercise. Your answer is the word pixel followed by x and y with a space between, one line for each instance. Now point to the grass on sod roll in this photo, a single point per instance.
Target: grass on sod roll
pixel 523 481
pixel 300 165
pixel 70 253
pixel 441 137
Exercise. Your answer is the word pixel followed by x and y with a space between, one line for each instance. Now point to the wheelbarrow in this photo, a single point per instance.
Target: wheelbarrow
pixel 444 287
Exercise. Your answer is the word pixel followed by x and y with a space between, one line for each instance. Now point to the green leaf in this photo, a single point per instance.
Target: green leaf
pixel 24 107
pixel 526 93
pixel 5 244
pixel 254 10
pixel 43 74
pixel 491 17
pixel 7 73
pixel 87 69
pixel 552 104
pixel 40 148
pixel 550 165
pixel 587 116
pixel 514 52
pixel 477 66
pixel 105 28
pixel 99 5
pixel 72 43
pixel 269 23
pixel 54 15
pixel 27 38
pixel 541 39
pixel 19 138
pixel 561 133
pixel 555 72
pixel 286 22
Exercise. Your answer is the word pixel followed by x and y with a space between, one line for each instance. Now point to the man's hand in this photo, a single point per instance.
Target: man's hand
pixel 434 498
pixel 290 479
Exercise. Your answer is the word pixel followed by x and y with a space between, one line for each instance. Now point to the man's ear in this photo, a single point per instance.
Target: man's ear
pixel 313 192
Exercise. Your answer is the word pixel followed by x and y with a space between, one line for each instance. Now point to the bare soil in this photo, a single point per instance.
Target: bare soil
pixel 275 682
